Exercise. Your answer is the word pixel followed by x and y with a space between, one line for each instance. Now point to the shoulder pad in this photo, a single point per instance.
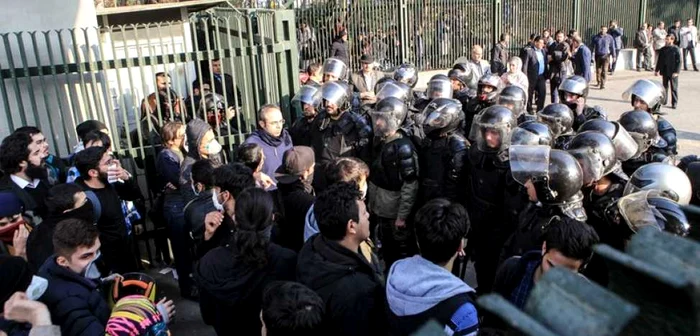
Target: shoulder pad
pixel 405 149
pixel 458 142
pixel 664 125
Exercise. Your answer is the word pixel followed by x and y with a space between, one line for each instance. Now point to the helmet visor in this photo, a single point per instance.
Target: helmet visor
pixel 646 90
pixel 521 136
pixel 625 145
pixel 515 105
pixel 492 137
pixel 335 67
pixel 554 124
pixel 383 123
pixel 636 211
pixel 439 89
pixel 591 163
pixel 528 162
pixel 392 90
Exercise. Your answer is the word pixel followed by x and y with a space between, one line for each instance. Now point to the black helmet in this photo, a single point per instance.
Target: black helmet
pixel 649 208
pixel 406 73
pixel 515 98
pixel 531 133
pixel 625 146
pixel 460 75
pixel 439 86
pixel 558 117
pixel 388 115
pixel 492 81
pixel 442 115
pixel 556 174
pixel 494 120
pixel 642 127
pixel 595 153
pixel 335 93
pixel 462 65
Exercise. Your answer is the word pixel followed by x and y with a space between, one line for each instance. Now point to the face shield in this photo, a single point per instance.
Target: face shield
pixel 625 145
pixel 438 118
pixel 592 164
pixel 392 90
pixel 439 89
pixel 383 123
pixel 643 142
pixel 334 68
pixel 646 90
pixel 522 136
pixel 555 124
pixel 492 137
pixel 529 163
pixel 515 105
pixel 573 208
pixel 635 210
pixel 307 101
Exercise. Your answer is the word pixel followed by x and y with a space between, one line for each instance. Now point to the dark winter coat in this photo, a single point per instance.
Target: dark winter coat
pixel 296 200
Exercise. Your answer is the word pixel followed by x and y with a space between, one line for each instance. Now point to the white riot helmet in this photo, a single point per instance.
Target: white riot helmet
pixel 671 181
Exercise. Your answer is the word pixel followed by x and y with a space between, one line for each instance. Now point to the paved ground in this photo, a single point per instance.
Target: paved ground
pixel 188 320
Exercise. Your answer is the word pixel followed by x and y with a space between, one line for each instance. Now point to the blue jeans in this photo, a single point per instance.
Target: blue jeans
pixel 173 212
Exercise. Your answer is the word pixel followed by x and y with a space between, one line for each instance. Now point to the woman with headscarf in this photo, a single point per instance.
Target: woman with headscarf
pixel 515 76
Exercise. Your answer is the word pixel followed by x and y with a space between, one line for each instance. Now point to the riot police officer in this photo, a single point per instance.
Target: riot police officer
pixel 651 208
pixel 625 145
pixel 531 133
pixel 439 86
pixel 307 102
pixel 393 184
pixel 553 179
pixel 515 98
pixel 560 120
pixel 495 198
pixel 669 180
pixel 338 132
pixel 460 80
pixel 643 129
pixel 443 152
pixel 648 95
pixel 486 95
pixel 406 73
pixel 573 92
pixel 334 69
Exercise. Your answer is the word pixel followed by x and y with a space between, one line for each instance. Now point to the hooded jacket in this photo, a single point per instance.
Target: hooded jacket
pixel 296 199
pixel 273 148
pixel 351 288
pixel 195 132
pixel 231 291
pixel 73 300
pixel 419 290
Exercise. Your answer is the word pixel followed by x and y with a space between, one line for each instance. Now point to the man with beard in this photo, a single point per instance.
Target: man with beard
pixel 24 164
pixel 394 179
pixel 306 102
pixel 572 93
pixel 56 167
pixel 559 53
pixel 104 176
pixel 164 103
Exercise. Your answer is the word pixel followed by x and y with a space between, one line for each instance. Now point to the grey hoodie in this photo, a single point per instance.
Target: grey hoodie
pixel 416 284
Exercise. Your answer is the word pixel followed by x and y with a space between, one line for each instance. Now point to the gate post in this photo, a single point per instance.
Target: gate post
pixel 497 19
pixel 404 38
pixel 576 20
pixel 642 12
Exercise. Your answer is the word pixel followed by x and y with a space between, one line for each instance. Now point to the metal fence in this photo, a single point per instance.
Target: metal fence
pixel 57 79
pixel 433 33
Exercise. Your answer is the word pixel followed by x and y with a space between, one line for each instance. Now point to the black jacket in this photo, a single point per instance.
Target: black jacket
pixel 40 240
pixel 74 301
pixel 33 200
pixel 301 132
pixel 511 272
pixel 531 65
pixel 669 61
pixel 231 291
pixel 351 288
pixel 340 51
pixel 295 200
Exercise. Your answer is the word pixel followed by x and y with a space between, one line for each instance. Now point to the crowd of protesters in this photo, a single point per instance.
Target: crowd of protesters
pixel 361 216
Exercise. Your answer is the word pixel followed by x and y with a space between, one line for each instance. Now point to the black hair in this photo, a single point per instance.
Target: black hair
pixel 72 233
pixel 250 154
pixel 537 38
pixel 61 197
pixel 13 151
pixel 503 37
pixel 292 309
pixel 87 126
pixel 88 159
pixel 162 74
pixel 31 130
pixel 93 136
pixel 574 239
pixel 532 36
pixel 346 169
pixel 335 207
pixel 440 227
pixel 254 208
pixel 234 178
pixel 203 172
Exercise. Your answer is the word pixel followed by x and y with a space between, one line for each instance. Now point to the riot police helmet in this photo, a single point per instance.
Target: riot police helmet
pixel 334 69
pixel 307 100
pixel 645 94
pixel 335 97
pixel 488 88
pixel 649 208
pixel 439 86
pixel 595 153
pixel 442 116
pixel 625 146
pixel 531 133
pixel 388 116
pixel 669 180
pixel 514 98
pixel 642 127
pixel 495 124
pixel 406 73
pixel 558 117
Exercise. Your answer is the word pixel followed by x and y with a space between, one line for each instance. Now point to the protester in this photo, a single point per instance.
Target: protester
pixel 231 278
pixel 689 39
pixel 515 75
pixel 14 229
pixel 24 164
pixel 568 243
pixel 315 75
pixel 331 264
pixel 294 179
pixel 164 104
pixel 252 156
pixel 101 174
pixel 292 309
pixel 28 315
pixel 422 287
pixel 363 81
pixel 201 145
pixel 57 169
pixel 73 295
pixel 339 49
pixel 136 315
pixel 669 66
pixel 273 139
pixel 64 201
pixel 91 139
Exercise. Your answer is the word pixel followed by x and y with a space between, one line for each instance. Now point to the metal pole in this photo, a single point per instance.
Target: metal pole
pixel 642 12
pixel 497 18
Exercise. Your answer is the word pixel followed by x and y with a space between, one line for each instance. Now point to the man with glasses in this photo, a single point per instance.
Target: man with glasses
pixel 272 137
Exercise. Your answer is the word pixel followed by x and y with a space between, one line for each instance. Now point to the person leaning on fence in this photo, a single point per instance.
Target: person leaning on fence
pixel 164 104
